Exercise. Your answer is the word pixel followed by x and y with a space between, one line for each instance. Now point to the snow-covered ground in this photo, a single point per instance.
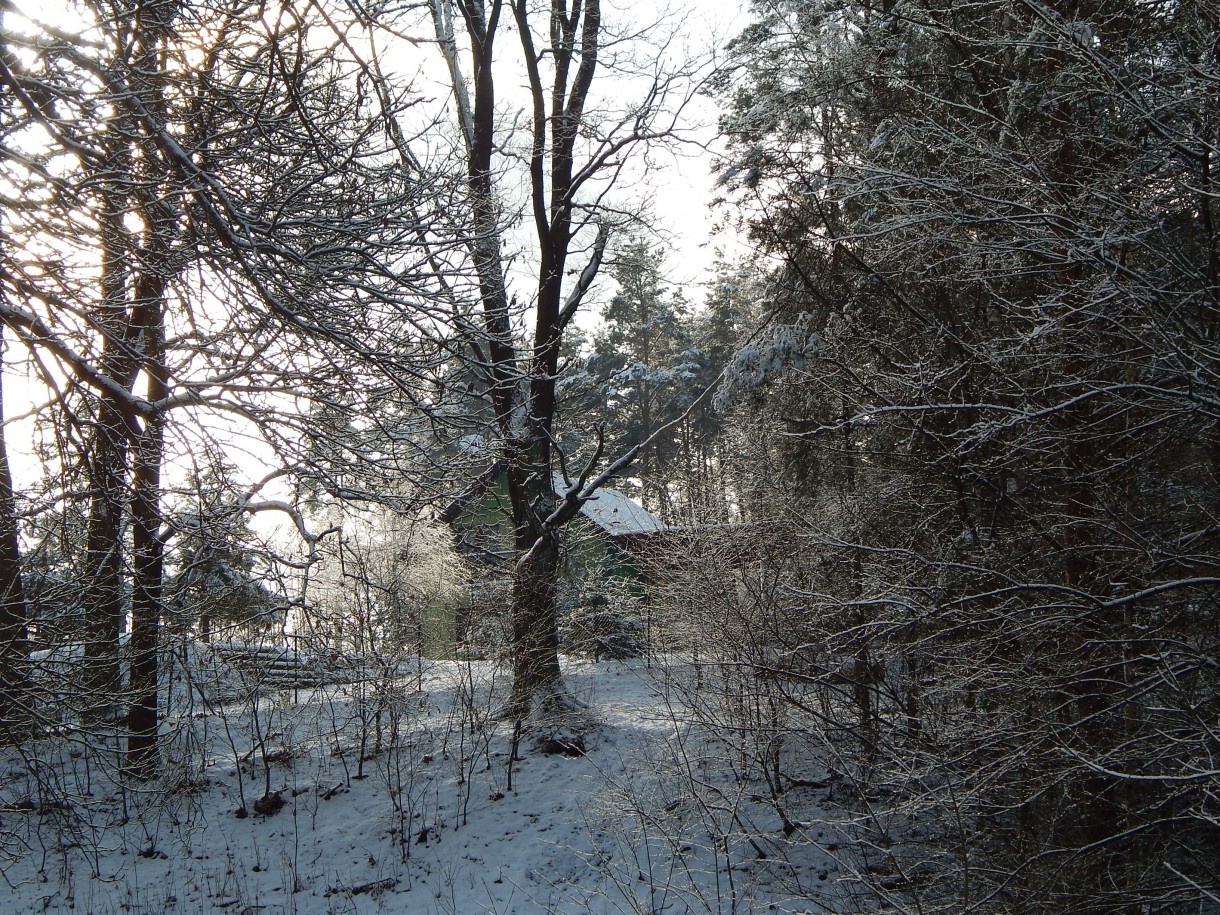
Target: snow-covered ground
pixel 402 797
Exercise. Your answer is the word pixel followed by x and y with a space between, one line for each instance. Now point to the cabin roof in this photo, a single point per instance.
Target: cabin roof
pixel 609 510
pixel 619 515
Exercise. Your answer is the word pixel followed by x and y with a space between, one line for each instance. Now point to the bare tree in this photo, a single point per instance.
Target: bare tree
pixel 575 147
pixel 202 233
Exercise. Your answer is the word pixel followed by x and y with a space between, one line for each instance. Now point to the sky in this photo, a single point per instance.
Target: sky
pixel 676 184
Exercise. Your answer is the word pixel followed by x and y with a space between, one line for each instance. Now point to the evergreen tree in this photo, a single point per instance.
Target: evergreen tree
pixel 992 370
pixel 644 364
pixel 215 589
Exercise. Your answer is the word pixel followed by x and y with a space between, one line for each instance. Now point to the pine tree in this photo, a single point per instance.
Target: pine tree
pixel 643 361
pixel 215 589
pixel 991 371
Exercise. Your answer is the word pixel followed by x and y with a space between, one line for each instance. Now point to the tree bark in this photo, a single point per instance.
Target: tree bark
pixel 148 567
pixel 537 681
pixel 525 406
pixel 14 627
pixel 104 609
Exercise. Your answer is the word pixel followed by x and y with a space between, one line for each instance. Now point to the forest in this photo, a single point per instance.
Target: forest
pixel 398 515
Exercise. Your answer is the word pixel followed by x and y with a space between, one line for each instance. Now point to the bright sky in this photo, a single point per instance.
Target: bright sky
pixel 678 185
pixel 675 184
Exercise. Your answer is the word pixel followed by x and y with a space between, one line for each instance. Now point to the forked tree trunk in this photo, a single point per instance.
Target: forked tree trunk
pixel 521 382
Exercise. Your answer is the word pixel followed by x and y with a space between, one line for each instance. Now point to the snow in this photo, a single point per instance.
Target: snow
pixel 616 514
pixel 785 347
pixel 428 822
pixel 619 515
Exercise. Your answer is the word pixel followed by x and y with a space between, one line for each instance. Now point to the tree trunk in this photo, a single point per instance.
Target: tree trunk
pixel 537 683
pixel 107 458
pixel 159 263
pixel 521 382
pixel 103 591
pixel 14 633
pixel 148 567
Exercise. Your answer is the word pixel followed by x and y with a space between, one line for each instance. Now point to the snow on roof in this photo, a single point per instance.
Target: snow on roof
pixel 618 515
pixel 613 512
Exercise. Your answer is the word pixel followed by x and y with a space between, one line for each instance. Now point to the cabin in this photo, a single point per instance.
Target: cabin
pixel 604 557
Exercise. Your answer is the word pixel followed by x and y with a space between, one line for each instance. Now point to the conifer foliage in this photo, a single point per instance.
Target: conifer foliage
pixel 996 383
